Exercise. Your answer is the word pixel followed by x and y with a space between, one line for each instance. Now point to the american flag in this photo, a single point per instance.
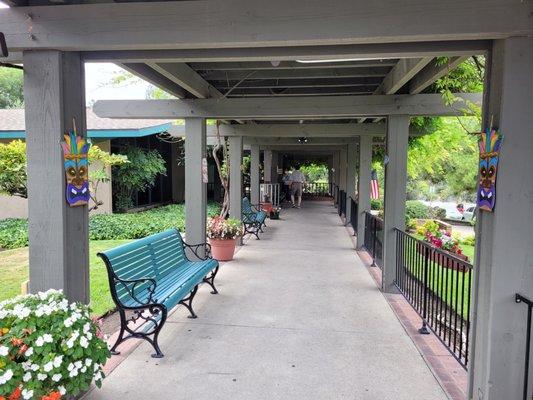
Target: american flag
pixel 374 185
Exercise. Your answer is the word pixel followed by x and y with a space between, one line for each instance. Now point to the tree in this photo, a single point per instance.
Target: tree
pixel 11 85
pixel 100 161
pixel 137 175
pixel 315 172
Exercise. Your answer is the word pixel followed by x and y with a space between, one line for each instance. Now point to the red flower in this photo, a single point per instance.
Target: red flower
pixel 52 396
pixel 16 394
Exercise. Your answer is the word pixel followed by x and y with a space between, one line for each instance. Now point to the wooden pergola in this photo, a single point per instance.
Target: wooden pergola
pixel 337 73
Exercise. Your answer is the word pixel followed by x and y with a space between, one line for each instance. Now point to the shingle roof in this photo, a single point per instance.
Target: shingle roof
pixel 13 120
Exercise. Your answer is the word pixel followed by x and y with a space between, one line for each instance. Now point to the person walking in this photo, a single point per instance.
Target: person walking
pixel 287 185
pixel 298 180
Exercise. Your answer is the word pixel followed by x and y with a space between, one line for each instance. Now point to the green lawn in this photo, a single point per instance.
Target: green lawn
pixel 14 271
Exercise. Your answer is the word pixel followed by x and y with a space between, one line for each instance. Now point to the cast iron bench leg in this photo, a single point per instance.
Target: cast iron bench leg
pixel 187 302
pixel 210 280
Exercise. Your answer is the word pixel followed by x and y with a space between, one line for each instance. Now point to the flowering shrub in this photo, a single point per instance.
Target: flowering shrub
pixel 440 238
pixel 48 347
pixel 220 228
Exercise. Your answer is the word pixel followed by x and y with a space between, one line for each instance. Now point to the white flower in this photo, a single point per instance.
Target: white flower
pixel 83 370
pixel 56 377
pixel 48 338
pixel 88 362
pixel 48 366
pixel 73 373
pixel 62 390
pixel 41 377
pixel 70 367
pixel 39 342
pixel 4 351
pixel 84 342
pixel 98 376
pixel 89 335
pixel 26 365
pixel 26 377
pixel 27 394
pixel 70 343
pixel 29 352
pixel 34 367
pixel 57 361
pixel 6 377
pixel 78 364
pixel 86 327
pixel 68 323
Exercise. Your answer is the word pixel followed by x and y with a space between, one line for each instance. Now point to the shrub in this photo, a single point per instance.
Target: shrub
pixel 13 173
pixel 14 232
pixel 416 209
pixel 376 204
pixel 48 347
pixel 437 213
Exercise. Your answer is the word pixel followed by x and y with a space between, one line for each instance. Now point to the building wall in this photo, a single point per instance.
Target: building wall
pixel 17 207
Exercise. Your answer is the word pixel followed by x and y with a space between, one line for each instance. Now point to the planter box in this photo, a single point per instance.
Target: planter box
pixel 434 256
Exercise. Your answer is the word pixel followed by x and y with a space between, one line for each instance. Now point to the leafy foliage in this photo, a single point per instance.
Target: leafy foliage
pixel 14 231
pixel 315 172
pixel 138 174
pixel 13 174
pixel 48 347
pixel 11 88
pixel 220 228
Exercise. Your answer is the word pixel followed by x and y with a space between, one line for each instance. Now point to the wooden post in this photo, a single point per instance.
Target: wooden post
pixel 395 189
pixel 235 181
pixel 254 173
pixel 195 187
pixel 54 96
pixel 350 178
pixel 363 191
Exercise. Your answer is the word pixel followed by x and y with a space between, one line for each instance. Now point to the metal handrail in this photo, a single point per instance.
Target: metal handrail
pixel 522 299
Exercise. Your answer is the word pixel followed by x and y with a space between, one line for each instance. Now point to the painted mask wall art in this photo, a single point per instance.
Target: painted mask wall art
pixel 489 152
pixel 75 152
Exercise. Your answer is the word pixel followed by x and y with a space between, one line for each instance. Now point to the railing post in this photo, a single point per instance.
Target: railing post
pixel 424 329
pixel 374 225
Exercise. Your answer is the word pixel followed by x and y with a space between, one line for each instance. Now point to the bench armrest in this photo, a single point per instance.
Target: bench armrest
pixel 197 248
pixel 255 207
pixel 132 284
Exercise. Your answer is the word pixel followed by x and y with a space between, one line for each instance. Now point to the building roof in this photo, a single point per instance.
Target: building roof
pixel 12 125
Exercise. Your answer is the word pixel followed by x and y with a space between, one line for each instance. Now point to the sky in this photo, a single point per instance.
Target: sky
pixel 98 84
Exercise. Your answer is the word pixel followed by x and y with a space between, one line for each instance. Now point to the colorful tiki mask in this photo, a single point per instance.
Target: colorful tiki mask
pixel 75 149
pixel 489 150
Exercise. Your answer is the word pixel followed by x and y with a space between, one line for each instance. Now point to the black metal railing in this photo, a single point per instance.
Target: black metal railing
pixel 521 299
pixel 438 286
pixel 342 203
pixel 317 189
pixel 336 194
pixel 373 240
pixel 353 214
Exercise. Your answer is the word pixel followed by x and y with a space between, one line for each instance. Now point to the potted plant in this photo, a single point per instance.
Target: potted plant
pixel 222 234
pixel 50 349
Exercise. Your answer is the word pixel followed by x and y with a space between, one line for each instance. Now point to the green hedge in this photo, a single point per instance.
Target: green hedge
pixel 14 232
pixel 416 209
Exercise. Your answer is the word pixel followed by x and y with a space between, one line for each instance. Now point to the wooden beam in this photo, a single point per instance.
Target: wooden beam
pixel 267 65
pixel 254 23
pixel 149 75
pixel 295 130
pixel 187 78
pixel 283 107
pixel 305 91
pixel 326 52
pixel 402 73
pixel 312 141
pixel 432 73
pixel 299 83
pixel 296 73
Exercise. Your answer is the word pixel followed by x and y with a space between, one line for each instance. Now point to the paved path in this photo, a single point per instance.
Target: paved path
pixel 297 317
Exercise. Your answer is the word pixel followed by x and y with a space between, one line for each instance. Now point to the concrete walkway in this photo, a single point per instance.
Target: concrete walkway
pixel 297 317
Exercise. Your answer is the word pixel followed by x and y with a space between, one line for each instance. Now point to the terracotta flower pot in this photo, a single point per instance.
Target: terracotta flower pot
pixel 222 249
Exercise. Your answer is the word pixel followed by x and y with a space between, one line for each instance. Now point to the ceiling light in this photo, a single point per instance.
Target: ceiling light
pixel 275 63
pixel 302 139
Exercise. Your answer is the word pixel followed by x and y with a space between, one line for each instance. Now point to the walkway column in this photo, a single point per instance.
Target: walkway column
pixel 254 173
pixel 54 95
pixel 343 156
pixel 336 174
pixel 350 178
pixel 267 166
pixel 195 188
pixel 395 194
pixel 363 190
pixel 504 253
pixel 235 179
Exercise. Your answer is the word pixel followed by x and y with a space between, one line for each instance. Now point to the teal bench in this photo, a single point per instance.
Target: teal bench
pixel 150 276
pixel 253 218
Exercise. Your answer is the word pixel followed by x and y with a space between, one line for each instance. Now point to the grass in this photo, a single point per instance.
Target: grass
pixel 14 271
